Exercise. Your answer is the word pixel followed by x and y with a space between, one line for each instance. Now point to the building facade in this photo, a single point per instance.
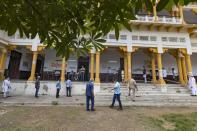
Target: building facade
pixel 162 40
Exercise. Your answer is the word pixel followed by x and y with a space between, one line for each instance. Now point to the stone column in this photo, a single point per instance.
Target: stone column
pixel 63 68
pixel 2 63
pixel 184 69
pixel 178 59
pixel 33 67
pixel 92 66
pixel 125 67
pixel 129 64
pixel 154 80
pixel 189 64
pixel 97 78
pixel 159 61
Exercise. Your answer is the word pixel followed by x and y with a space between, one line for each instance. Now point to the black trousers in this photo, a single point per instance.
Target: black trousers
pixel 57 93
pixel 68 91
pixel 36 93
pixel 116 96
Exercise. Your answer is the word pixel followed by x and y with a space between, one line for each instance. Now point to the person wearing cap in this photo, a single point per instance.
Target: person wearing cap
pixel 90 95
pixel 192 85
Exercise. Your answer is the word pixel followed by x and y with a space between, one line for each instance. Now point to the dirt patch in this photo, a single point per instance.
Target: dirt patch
pixel 76 118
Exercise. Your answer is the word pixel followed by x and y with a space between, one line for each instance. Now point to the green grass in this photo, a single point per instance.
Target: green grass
pixel 177 122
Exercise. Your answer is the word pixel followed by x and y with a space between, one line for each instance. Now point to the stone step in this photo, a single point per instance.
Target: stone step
pixel 148 90
pixel 147 94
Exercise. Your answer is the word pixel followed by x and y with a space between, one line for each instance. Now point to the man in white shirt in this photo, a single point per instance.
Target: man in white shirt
pixel 6 86
pixel 192 85
pixel 164 72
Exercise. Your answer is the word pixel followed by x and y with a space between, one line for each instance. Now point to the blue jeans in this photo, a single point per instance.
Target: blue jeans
pixel 68 91
pixel 88 98
pixel 116 96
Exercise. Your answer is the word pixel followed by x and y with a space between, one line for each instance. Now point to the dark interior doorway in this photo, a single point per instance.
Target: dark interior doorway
pixel 40 65
pixel 14 64
pixel 84 61
pixel 121 63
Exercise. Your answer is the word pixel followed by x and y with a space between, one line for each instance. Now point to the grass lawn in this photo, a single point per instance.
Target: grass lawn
pixel 59 118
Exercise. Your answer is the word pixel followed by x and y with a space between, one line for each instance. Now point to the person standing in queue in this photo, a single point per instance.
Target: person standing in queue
pixel 58 87
pixel 68 87
pixel 37 86
pixel 90 95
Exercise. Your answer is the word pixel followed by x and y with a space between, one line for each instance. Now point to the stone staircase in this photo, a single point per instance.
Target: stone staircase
pixel 148 95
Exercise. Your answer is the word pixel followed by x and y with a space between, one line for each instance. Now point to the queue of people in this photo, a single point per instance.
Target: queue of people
pixel 131 84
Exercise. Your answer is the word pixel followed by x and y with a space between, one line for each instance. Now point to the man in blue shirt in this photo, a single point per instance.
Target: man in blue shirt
pixel 117 93
pixel 90 95
pixel 68 87
pixel 58 87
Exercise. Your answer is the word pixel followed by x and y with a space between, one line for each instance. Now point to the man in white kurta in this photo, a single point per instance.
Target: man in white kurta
pixel 192 85
pixel 6 86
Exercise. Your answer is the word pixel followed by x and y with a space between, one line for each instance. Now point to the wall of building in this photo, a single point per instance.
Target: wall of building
pixel 194 63
pixel 140 59
pixel 26 61
pixel 52 62
pixel 110 58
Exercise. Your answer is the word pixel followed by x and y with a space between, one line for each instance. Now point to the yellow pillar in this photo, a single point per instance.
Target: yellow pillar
pixel 2 62
pixel 189 64
pixel 97 78
pixel 178 59
pixel 184 69
pixel 92 66
pixel 33 66
pixel 129 64
pixel 159 62
pixel 155 13
pixel 125 67
pixel 154 80
pixel 181 13
pixel 63 70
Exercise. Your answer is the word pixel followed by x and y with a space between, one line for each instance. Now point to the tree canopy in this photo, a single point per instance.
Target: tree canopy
pixel 73 25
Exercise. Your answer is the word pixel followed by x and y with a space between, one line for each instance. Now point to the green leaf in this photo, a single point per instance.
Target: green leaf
pixel 116 31
pixel 127 25
pixel 162 4
pixel 149 5
pixel 11 29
